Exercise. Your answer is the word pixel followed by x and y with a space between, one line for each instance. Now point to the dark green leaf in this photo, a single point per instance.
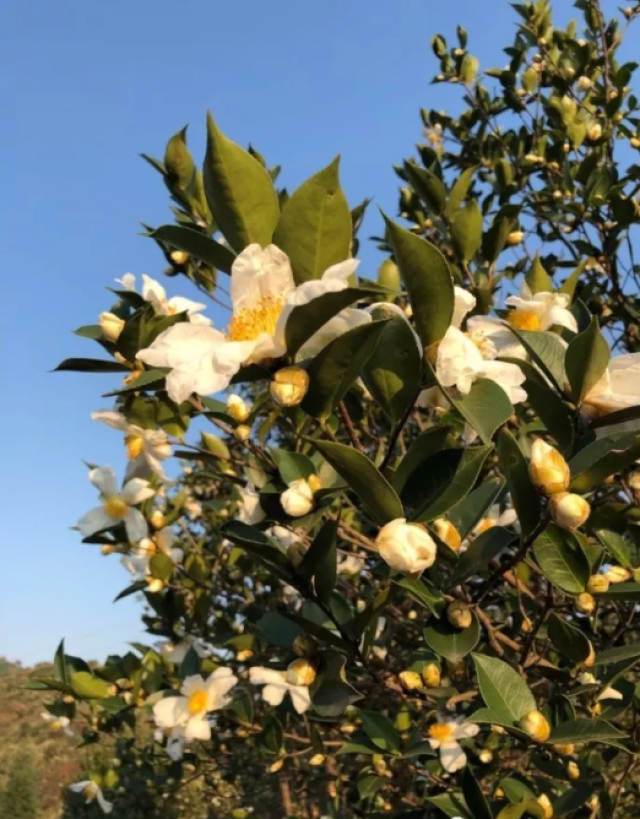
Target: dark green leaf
pixel 617 654
pixel 568 639
pixel 546 350
pixel 292 465
pixel 617 547
pixel 474 797
pixel 380 731
pixel 466 231
pixel 503 690
pixel 452 643
pixel 425 445
pixel 485 407
pixel 278 630
pixel 514 467
pixel 196 244
pixel 424 594
pixel 605 456
pixel 483 549
pixel 585 730
pixel 59 663
pixel 91 365
pixel 469 511
pixel 319 561
pixel 561 559
pixel 459 191
pixel 428 186
pixel 586 360
pixel 549 406
pixel 622 591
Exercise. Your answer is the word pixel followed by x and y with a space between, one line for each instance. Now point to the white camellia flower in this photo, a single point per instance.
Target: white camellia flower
pixel 406 547
pixel 618 388
pixel 298 499
pixel 58 724
pixel 138 559
pixel 540 311
pixel 199 698
pixel 444 736
pixel 128 282
pixel 263 293
pixel 92 793
pixel 608 693
pixel 460 362
pixel 276 688
pixel 173 739
pixel 463 303
pixel 350 565
pixel 495 517
pixel 111 325
pixel 154 293
pixel 250 510
pixel 493 337
pixel 117 507
pixel 145 447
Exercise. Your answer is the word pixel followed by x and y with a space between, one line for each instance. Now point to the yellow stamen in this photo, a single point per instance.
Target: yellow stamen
pixel 134 445
pixel 116 507
pixel 440 731
pixel 485 345
pixel 89 793
pixel 197 702
pixel 251 321
pixel 523 320
pixel 55 726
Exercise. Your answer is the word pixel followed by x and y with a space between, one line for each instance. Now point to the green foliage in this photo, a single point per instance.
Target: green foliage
pixel 20 796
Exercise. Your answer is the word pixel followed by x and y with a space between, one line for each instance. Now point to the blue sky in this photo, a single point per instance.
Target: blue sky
pixel 88 86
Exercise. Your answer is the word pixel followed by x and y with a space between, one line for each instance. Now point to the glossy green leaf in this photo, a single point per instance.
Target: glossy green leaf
pixel 59 663
pixel 161 566
pixel 90 365
pixel 585 730
pixel 537 278
pixel 422 593
pixel 473 795
pixel 422 448
pixel 315 226
pixel 469 511
pixel 278 630
pixel 503 690
pixel 196 244
pixel 334 694
pixel 546 350
pixel 569 284
pixel 592 464
pixel 549 406
pixel 319 561
pixel 452 643
pixel 617 546
pixel 292 465
pixel 622 592
pixel 561 559
pixel 466 231
pixel 482 550
pixel 178 161
pixel 617 655
pixel 485 407
pixel 429 187
pixel 586 360
pixel 239 191
pixel 569 640
pixel 337 366
pixel 427 277
pixel 87 686
pixel 380 730
pixel 459 192
pixel 515 468
pixel 373 489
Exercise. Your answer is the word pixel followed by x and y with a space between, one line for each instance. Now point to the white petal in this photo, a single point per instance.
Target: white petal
pixel 258 675
pixel 218 686
pixel 452 757
pixel 77 787
pixel 116 420
pixel 135 524
pixel 507 376
pixel 106 806
pixel 345 320
pixel 104 479
pixel 464 302
pixel 198 728
pixel 128 282
pixel 465 730
pixel 178 304
pixel 257 273
pixel 152 290
pixel 137 490
pixel 300 698
pixel 95 521
pixel 171 711
pixel 341 271
pixel 274 692
pixel 563 318
pixel 458 361
pixel 181 345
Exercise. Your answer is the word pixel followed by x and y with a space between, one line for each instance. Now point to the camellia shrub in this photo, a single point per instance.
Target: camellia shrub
pixel 386 526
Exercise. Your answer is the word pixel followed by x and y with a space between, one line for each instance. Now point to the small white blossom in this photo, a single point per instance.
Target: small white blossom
pixel 93 793
pixel 444 736
pixel 117 507
pixel 145 447
pixel 276 688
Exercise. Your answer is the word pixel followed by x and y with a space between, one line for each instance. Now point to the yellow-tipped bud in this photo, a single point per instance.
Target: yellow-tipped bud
pixel 317 759
pixel 304 646
pixel 594 132
pixel 545 803
pixel 485 756
pixel 155 585
pixel 459 614
pixel 617 574
pixel 111 326
pixel 514 238
pixel 389 276
pixel 585 603
pixel 242 433
pixel 238 408
pixel 634 142
pixel 289 386
pixel 591 657
pixel 598 584
pixel 448 534
pixel 315 483
pixel 548 470
pixel 569 511
pixel 564 750
pixel 535 724
pixel 301 672
pixel 584 83
pixel 410 680
pixel 107 549
pixel 179 257
pixel 573 771
pixel 431 675
pixel 157 519
pixel 276 766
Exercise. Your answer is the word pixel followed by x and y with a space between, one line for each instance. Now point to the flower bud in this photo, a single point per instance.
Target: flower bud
pixel 317 759
pixel 406 547
pixel 459 614
pixel 315 483
pixel 598 584
pixel 107 549
pixel 179 257
pixel 111 326
pixel 410 680
pixel 535 724
pixel 593 803
pixel 276 766
pixel 237 408
pixel 448 534
pixel 514 238
pixel 242 433
pixel 617 574
pixel 300 672
pixel 431 675
pixel 564 749
pixel 584 83
pixel 289 386
pixel 633 479
pixel 591 657
pixel 585 603
pixel 573 771
pixel 634 142
pixel 485 756
pixel 298 499
pixel 594 132
pixel 545 804
pixel 569 511
pixel 304 646
pixel 157 519
pixel 548 470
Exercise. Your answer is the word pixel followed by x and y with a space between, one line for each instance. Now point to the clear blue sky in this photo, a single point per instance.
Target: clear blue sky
pixel 89 85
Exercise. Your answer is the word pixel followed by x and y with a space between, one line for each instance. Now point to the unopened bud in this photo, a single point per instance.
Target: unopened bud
pixel 107 549
pixel 591 657
pixel 633 479
pixel 244 654
pixel 459 614
pixel 289 386
pixel 593 803
pixel 485 756
pixel 216 446
pixel 598 584
pixel 585 603
pixel 315 483
pixel 276 766
pixel 411 680
pixel 304 646
pixel 535 724
pixel 628 12
pixel 564 749
pixel 111 326
pixel 298 499
pixel 431 675
pixel 317 759
pixel 545 804
pixel 300 672
pixel 569 511
pixel 179 257
pixel 594 132
pixel 514 238
pixel 155 585
pixel 237 408
pixel 584 83
pixel 389 276
pixel 242 433
pixel 157 519
pixel 573 771
pixel 617 574
pixel 548 470
pixel 448 534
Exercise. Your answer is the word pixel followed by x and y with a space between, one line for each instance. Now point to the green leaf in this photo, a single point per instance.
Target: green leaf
pixel 239 191
pixel 537 278
pixel 278 630
pixel 320 561
pixel 483 549
pixel 622 591
pixel 546 350
pixel 196 244
pixel 549 406
pixel 292 465
pixel 470 510
pixel 485 407
pixel 514 467
pixel 336 367
pixel 89 687
pixel 380 731
pixel 427 277
pixel 459 192
pixel 452 643
pixel 616 655
pixel 605 456
pixel 373 489
pixel 561 559
pixel 256 543
pixel 573 798
pixel 90 365
pixel 456 486
pixel 92 331
pixel 359 745
pixel 178 161
pixel 315 226
pixel 586 360
pixel 149 377
pixel 59 664
pixel 466 231
pixel 617 546
pixel 422 448
pixel 474 797
pixel 428 186
pixel 569 285
pixel 568 639
pixel 161 566
pixel 426 595
pixel 585 730
pixel 305 319
pixel 334 694
pixel 503 690
pixel 392 373
pixel 272 734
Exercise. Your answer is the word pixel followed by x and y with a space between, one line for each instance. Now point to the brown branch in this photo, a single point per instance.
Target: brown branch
pixel 348 425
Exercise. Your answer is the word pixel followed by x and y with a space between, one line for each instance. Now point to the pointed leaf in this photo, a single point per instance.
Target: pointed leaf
pixel 514 467
pixel 503 690
pixel 196 244
pixel 562 560
pixel 466 231
pixel 586 360
pixel 449 642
